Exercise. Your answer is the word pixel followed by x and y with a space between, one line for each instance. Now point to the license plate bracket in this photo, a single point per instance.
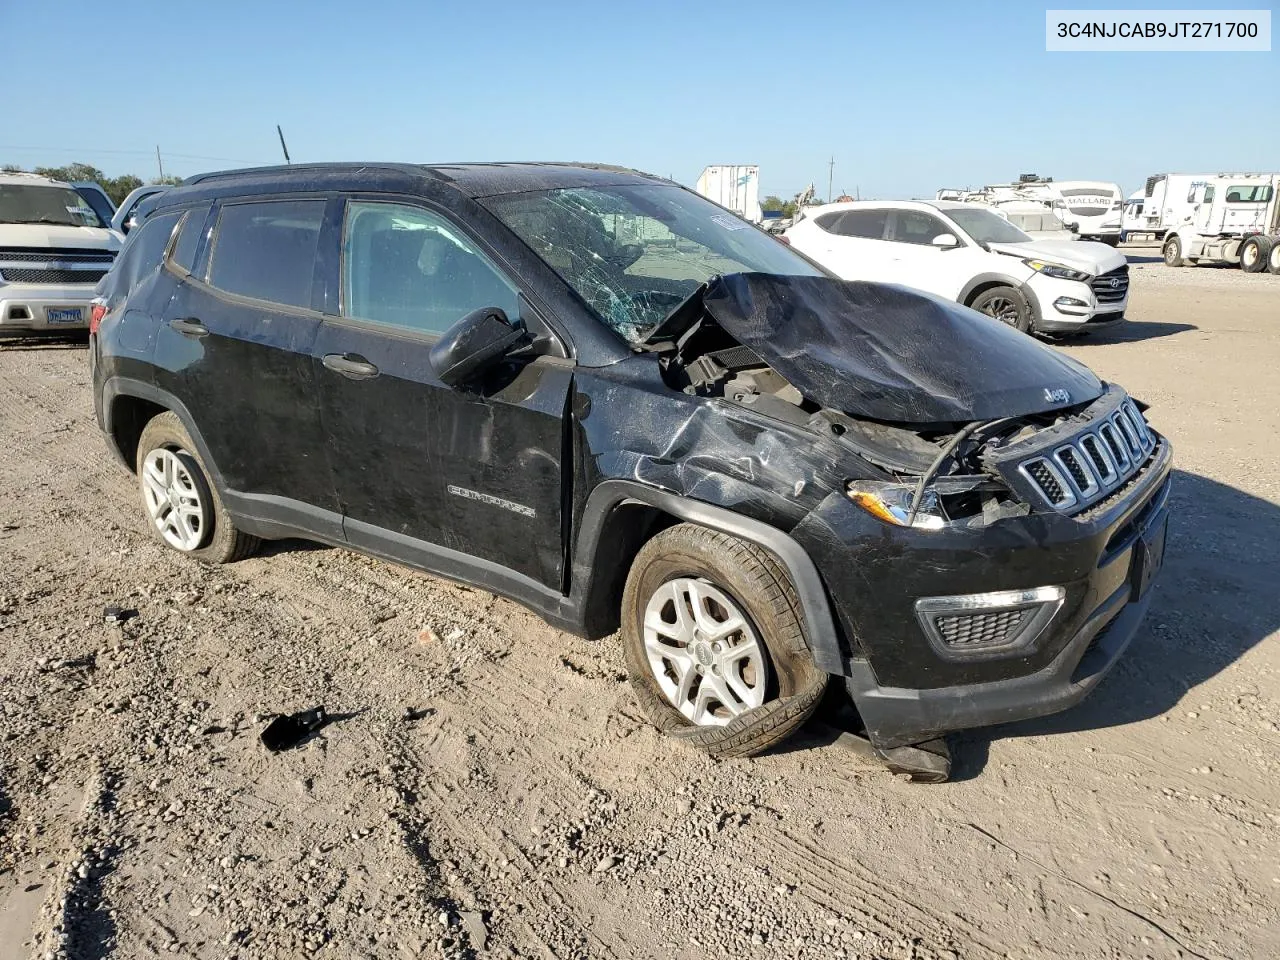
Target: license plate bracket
pixel 1148 556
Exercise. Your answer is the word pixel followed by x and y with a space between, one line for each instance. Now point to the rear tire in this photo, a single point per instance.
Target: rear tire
pixel 1254 252
pixel 1006 305
pixel 732 581
pixel 181 504
pixel 1173 252
pixel 1273 261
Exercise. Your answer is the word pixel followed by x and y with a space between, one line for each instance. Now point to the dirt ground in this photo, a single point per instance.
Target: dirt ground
pixel 488 788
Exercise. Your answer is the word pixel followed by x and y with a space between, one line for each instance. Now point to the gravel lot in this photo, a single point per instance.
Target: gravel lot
pixel 489 789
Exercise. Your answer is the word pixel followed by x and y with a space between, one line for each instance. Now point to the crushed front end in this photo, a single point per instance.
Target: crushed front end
pixel 1019 597
pixel 986 516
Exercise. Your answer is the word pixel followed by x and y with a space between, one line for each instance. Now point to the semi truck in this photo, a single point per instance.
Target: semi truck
pixel 1233 218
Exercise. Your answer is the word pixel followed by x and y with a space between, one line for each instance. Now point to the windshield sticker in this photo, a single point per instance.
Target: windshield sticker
pixel 730 222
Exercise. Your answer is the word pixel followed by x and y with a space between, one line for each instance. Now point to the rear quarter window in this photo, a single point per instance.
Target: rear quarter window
pixel 142 253
pixel 267 250
pixel 187 244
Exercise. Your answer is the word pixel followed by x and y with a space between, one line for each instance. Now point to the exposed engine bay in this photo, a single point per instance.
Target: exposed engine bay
pixel 952 462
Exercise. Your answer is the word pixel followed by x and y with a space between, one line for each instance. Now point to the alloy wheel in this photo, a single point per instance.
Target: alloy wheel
pixel 1002 309
pixel 173 499
pixel 704 651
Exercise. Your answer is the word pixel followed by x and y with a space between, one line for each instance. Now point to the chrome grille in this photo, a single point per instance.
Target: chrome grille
pixel 46 254
pixel 1094 463
pixel 1111 287
pixel 12 275
pixel 1050 481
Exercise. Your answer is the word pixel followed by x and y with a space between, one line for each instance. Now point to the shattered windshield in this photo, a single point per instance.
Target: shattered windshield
pixel 633 253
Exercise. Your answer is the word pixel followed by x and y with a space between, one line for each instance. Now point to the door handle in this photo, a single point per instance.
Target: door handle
pixel 351 366
pixel 189 327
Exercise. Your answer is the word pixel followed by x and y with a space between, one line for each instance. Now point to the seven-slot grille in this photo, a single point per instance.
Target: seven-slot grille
pixel 1094 463
pixel 53 264
pixel 1112 286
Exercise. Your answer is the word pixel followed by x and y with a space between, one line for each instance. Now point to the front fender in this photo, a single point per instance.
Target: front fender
pixel 820 632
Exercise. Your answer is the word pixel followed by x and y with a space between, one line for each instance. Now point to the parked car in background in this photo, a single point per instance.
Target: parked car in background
pixel 970 254
pixel 97 198
pixel 125 218
pixel 604 396
pixel 54 248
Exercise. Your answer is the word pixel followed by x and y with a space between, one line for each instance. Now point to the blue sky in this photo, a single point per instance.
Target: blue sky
pixel 907 96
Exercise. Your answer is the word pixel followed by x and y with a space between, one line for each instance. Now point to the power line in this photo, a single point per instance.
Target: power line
pixel 131 153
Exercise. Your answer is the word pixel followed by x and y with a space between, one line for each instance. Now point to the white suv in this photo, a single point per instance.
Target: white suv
pixel 53 249
pixel 971 255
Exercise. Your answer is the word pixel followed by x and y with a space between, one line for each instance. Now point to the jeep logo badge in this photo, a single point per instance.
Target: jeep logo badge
pixel 1056 396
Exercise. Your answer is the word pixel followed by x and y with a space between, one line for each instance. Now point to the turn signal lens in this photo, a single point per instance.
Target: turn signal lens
pixel 95 316
pixel 891 503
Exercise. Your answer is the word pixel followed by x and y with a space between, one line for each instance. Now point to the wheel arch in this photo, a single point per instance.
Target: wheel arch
pixel 621 516
pixel 129 405
pixel 984 282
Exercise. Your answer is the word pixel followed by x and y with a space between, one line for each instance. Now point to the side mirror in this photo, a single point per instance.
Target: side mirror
pixel 945 241
pixel 473 343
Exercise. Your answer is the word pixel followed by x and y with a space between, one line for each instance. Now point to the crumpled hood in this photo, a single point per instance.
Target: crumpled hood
pixel 1087 255
pixel 891 353
pixel 57 235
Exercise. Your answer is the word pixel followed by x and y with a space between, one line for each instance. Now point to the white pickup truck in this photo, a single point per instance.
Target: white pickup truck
pixel 53 249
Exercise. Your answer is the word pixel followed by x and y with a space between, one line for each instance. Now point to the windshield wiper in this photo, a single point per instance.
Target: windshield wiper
pixel 60 223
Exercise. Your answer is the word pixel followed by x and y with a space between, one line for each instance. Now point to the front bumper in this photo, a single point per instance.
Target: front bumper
pixel 1067 306
pixel 905 692
pixel 44 308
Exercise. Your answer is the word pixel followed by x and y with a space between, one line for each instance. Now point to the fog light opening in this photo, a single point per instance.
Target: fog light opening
pixel 988 624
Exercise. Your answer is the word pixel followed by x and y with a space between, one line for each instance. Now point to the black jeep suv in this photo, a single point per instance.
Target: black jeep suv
pixel 599 394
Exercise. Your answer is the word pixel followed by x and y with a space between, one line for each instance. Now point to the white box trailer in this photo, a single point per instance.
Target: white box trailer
pixel 733 185
pixel 1234 218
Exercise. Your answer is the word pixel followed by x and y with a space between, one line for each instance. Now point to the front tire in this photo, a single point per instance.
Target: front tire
pixel 1254 252
pixel 713 636
pixel 182 506
pixel 1006 305
pixel 1173 252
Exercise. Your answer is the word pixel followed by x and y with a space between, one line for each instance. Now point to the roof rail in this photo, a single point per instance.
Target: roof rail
pixel 410 168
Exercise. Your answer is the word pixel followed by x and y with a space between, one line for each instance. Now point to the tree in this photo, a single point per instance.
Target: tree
pixel 121 187
pixel 786 208
pixel 73 172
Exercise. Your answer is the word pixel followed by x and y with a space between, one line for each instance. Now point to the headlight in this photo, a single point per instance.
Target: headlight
pixel 1057 271
pixel 891 503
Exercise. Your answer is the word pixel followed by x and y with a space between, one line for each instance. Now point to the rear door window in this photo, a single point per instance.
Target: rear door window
pixel 267 250
pixel 866 224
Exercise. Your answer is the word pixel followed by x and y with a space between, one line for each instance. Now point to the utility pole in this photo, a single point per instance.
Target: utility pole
pixel 831 169
pixel 282 146
pixel 159 162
